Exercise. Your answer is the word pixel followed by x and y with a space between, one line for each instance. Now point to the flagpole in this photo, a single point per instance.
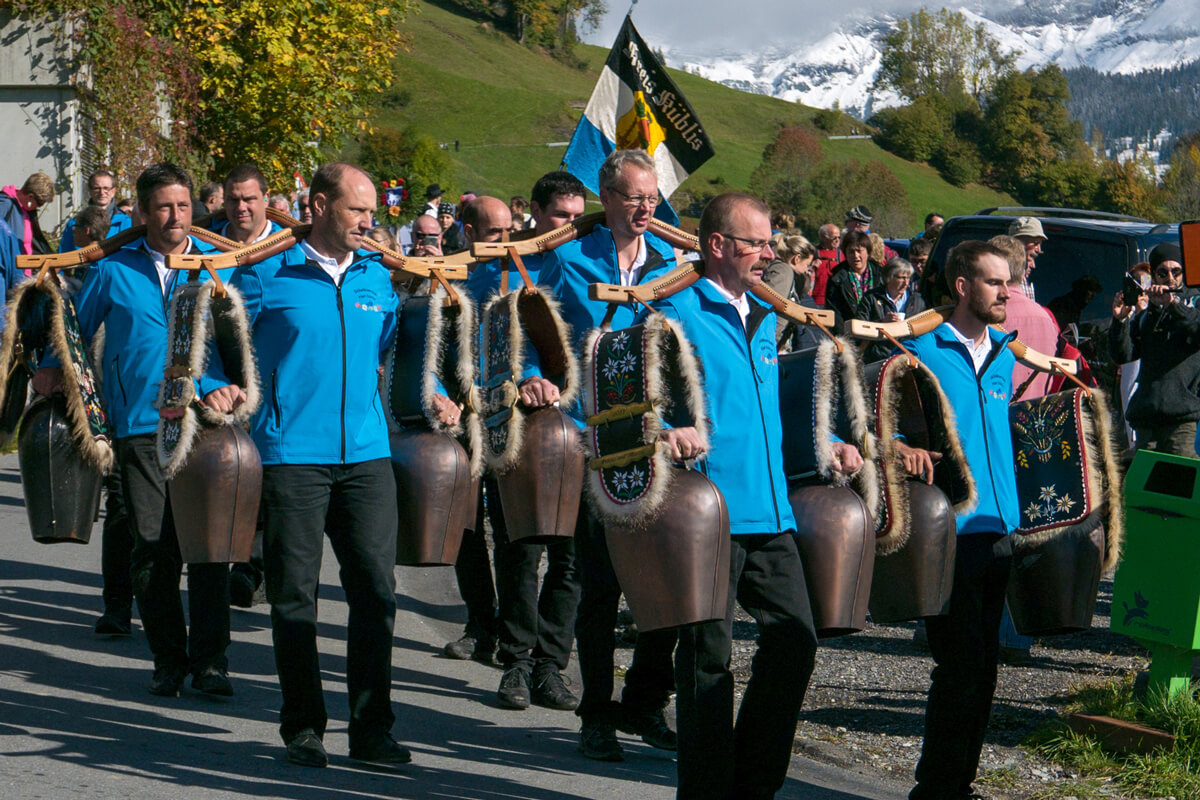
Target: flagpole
pixel 629 13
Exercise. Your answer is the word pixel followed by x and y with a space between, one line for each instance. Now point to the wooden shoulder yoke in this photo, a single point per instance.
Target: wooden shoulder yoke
pixel 928 320
pixel 685 275
pixel 573 230
pixel 450 269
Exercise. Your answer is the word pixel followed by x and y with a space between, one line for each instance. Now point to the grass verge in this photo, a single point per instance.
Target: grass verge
pixel 1157 774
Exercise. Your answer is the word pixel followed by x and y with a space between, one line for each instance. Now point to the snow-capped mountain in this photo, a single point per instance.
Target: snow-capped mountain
pixel 1115 36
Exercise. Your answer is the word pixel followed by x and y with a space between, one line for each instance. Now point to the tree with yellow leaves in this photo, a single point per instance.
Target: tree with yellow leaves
pixel 214 83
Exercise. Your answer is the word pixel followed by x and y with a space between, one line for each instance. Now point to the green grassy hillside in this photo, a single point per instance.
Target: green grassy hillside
pixel 504 103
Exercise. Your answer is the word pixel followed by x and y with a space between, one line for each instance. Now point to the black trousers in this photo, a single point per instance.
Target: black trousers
pixel 156 565
pixel 534 629
pixel 719 760
pixel 965 645
pixel 116 547
pixel 650 679
pixel 355 505
pixel 473 571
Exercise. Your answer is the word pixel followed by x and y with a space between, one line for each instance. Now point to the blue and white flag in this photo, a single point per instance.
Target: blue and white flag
pixel 636 105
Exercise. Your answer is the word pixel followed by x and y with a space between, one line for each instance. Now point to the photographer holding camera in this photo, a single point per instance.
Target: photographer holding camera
pixel 1166 337
pixel 426 237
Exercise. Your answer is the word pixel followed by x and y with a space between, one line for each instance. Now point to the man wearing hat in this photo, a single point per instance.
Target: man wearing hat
pixel 433 199
pixel 1028 231
pixel 1166 337
pixel 858 219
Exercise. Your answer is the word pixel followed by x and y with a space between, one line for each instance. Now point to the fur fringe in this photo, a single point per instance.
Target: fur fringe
pixel 469 426
pixel 95 450
pixel 895 528
pixel 213 319
pixel 509 395
pixel 858 413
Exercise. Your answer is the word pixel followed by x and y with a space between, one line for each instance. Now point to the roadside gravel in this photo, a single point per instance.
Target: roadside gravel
pixel 866 702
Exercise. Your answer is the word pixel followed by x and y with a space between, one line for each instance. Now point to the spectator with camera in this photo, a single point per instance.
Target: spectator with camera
pixel 1166 337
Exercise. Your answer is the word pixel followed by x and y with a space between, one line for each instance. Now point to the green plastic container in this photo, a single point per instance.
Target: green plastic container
pixel 1156 591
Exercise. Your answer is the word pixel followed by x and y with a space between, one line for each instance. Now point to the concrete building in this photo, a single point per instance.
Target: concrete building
pixel 40 124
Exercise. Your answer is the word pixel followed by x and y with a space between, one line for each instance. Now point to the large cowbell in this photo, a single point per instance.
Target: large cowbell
pixel 437 490
pixel 674 567
pixel 914 563
pixel 62 490
pixel 215 497
pixel 536 454
pixel 835 530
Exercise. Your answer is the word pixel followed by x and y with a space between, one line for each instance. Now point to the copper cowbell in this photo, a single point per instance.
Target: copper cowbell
pixel 215 497
pixel 835 535
pixel 540 493
pixel 435 496
pixel 915 580
pixel 674 569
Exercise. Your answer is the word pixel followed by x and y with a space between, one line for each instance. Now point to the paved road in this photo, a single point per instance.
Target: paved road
pixel 77 723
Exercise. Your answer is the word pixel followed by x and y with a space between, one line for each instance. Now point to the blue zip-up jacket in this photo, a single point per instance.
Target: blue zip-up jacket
pixel 319 346
pixel 741 387
pixel 122 292
pixel 568 270
pixel 980 404
pixel 118 221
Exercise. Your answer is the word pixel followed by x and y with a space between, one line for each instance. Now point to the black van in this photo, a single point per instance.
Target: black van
pixel 1078 243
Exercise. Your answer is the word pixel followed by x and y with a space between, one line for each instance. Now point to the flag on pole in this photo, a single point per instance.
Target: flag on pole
pixel 636 105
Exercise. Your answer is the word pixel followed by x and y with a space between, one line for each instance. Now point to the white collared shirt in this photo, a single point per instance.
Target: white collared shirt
pixel 630 276
pixel 979 352
pixel 740 303
pixel 327 263
pixel 160 265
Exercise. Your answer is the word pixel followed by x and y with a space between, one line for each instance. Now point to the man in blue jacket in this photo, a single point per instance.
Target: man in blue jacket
pixel 245 222
pixel 975 366
pixel 322 314
pixel 622 251
pixel 245 192
pixel 733 337
pixel 102 193
pixel 534 630
pixel 129 293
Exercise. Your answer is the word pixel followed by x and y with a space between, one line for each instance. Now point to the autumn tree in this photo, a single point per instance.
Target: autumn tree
pixel 788 163
pixel 1181 182
pixel 940 54
pixel 213 83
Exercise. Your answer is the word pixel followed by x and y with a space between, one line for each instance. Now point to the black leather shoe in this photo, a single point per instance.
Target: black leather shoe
pixel 383 750
pixel 241 590
pixel 550 690
pixel 514 689
pixel 166 681
pixel 306 750
pixel 598 741
pixel 652 727
pixel 114 622
pixel 460 649
pixel 213 680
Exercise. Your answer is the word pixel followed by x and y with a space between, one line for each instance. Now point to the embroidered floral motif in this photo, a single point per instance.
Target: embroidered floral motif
pixel 1052 482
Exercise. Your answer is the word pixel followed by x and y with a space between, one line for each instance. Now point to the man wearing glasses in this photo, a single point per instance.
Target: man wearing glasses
pixel 1166 337
pixel 620 251
pixel 102 193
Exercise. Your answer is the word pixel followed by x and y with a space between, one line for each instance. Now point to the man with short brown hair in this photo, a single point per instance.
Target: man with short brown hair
pixel 129 294
pixel 974 365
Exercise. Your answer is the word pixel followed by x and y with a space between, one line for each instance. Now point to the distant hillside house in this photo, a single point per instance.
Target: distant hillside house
pixel 40 124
